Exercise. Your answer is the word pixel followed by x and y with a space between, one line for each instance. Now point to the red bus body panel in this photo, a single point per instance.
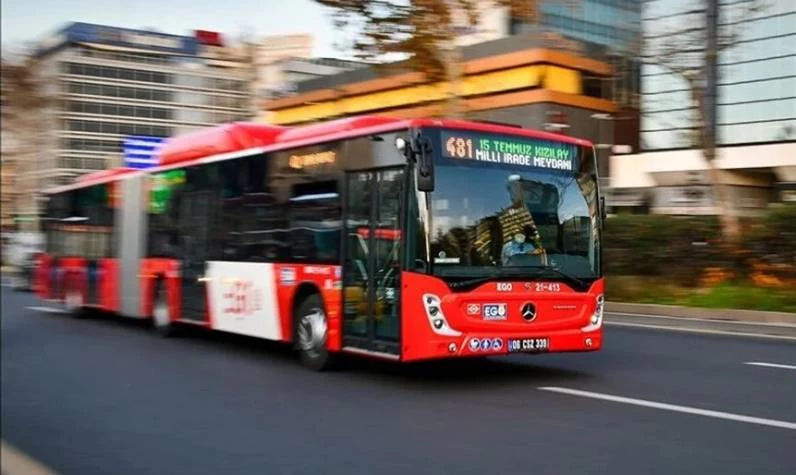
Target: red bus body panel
pixel 152 269
pixel 561 315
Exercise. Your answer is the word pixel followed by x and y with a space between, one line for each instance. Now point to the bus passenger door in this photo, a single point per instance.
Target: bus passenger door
pixel 371 273
pixel 192 273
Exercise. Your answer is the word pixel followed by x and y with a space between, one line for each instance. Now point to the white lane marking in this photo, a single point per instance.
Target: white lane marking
pixel 770 365
pixel 673 407
pixel 46 309
pixel 705 320
pixel 701 330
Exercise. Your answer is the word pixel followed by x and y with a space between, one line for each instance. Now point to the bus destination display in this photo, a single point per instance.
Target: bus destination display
pixel 519 151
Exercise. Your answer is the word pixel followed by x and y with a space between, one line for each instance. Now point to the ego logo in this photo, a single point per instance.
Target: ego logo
pixel 242 299
pixel 495 311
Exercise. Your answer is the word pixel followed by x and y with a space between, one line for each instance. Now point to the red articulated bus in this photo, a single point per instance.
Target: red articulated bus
pixel 401 239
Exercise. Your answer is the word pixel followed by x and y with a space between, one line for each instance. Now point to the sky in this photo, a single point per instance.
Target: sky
pixel 30 20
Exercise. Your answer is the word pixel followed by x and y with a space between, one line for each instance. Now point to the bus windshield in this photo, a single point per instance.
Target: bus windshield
pixel 507 206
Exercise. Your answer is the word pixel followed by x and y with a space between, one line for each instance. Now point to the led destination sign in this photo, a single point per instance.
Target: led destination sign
pixel 506 150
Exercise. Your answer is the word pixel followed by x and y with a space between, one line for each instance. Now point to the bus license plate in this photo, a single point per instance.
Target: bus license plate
pixel 529 345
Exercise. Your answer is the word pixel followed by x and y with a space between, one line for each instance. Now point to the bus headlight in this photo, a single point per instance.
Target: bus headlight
pixel 439 324
pixel 596 320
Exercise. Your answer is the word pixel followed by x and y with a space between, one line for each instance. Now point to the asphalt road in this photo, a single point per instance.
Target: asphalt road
pixel 100 397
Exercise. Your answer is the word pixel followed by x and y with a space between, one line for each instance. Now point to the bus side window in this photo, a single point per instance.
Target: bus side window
pixel 314 222
pixel 259 215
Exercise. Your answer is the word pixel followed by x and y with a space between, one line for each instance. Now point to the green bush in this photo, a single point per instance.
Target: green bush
pixel 681 248
pixel 664 246
pixel 772 239
pixel 738 295
pixel 743 296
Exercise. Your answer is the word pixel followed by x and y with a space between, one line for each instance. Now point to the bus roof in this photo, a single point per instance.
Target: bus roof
pixel 240 136
pixel 99 175
pixel 94 178
pixel 217 140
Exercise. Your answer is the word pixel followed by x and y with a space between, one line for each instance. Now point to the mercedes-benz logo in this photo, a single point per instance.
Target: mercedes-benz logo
pixel 528 312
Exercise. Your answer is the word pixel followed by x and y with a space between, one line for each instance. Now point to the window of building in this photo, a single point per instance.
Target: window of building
pixel 110 72
pixel 117 128
pixel 93 145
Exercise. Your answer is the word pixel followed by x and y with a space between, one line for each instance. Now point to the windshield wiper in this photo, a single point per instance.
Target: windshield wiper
pixel 560 273
pixel 469 282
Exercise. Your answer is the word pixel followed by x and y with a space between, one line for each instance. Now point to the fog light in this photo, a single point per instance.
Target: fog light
pixel 588 343
pixel 452 347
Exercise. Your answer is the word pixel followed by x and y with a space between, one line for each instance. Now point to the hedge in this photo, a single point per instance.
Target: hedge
pixel 690 251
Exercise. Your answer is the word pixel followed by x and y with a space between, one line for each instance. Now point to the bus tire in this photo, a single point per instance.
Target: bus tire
pixel 311 330
pixel 161 313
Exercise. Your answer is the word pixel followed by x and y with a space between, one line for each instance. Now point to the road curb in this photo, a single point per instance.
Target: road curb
pixel 712 314
pixel 14 462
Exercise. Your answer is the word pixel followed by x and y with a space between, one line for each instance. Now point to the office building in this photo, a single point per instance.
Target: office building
pixel 270 54
pixel 115 83
pixel 612 23
pixel 757 78
pixel 516 80
pixel 277 47
pixel 756 113
pixel 281 78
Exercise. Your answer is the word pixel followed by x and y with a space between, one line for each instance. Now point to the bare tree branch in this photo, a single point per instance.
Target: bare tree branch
pixel 678 44
pixel 421 31
pixel 24 116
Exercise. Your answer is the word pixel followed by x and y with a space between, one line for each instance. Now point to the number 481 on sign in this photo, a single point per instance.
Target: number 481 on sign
pixel 459 147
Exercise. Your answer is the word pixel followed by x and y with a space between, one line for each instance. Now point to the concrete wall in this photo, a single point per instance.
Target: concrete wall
pixel 677 181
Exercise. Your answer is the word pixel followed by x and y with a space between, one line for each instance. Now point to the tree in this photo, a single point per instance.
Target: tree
pixel 24 113
pixel 421 31
pixel 682 44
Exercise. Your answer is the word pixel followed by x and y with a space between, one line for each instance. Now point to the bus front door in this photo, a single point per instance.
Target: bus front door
pixel 371 272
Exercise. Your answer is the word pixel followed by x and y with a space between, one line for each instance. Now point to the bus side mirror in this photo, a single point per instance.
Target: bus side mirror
pixel 425 163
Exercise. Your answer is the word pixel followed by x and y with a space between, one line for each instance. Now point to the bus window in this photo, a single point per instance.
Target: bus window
pixel 314 213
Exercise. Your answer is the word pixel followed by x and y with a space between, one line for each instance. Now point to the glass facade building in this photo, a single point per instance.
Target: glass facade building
pixel 612 23
pixel 111 83
pixel 757 75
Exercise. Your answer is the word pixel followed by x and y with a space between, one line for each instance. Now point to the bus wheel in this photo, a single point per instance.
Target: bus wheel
pixel 311 333
pixel 161 313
